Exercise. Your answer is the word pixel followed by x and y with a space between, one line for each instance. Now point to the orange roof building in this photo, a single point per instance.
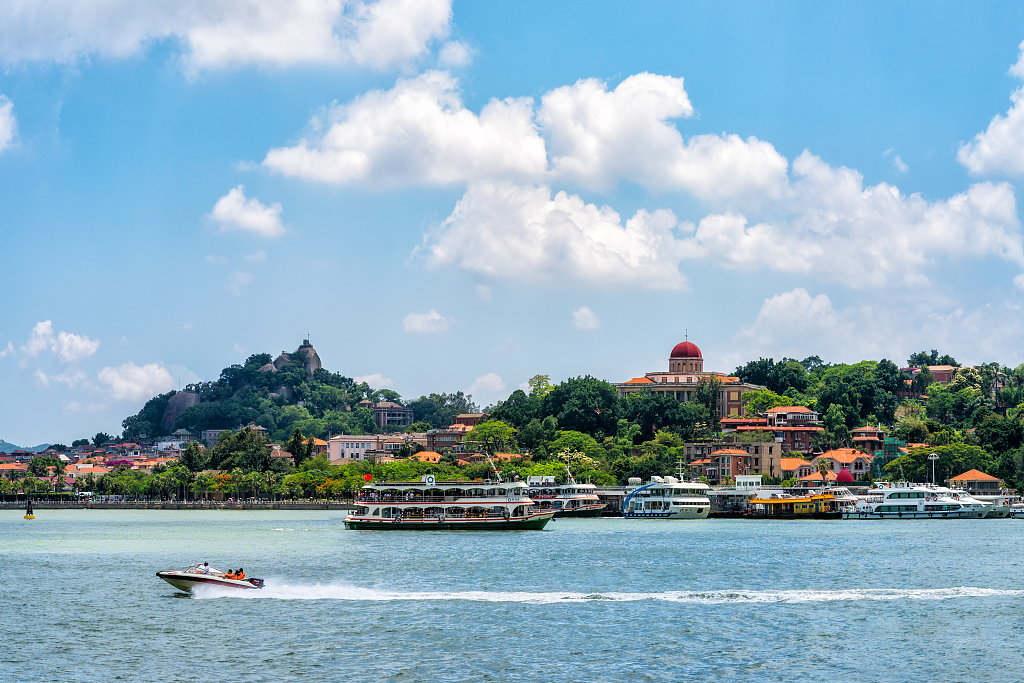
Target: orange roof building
pixel 685 373
pixel 975 480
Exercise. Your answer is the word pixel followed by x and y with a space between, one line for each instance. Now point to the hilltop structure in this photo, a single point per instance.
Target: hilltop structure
pixel 685 372
pixel 312 359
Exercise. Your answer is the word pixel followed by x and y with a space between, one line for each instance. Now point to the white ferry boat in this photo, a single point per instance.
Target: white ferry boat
pixel 571 499
pixel 667 498
pixel 430 504
pixel 911 501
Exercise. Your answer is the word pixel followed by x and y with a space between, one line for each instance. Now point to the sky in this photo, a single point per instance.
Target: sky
pixel 449 196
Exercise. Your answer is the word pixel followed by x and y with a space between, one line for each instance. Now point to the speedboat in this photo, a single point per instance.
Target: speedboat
pixel 198 575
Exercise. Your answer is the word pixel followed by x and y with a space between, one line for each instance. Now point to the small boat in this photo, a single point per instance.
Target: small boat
pixel 28 510
pixel 903 500
pixel 198 575
pixel 571 499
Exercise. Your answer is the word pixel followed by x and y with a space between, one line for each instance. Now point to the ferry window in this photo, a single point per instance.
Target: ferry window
pixel 376 511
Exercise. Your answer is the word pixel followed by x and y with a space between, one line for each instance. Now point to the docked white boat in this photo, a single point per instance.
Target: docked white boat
pixel 571 499
pixel 912 501
pixel 667 498
pixel 435 505
pixel 199 575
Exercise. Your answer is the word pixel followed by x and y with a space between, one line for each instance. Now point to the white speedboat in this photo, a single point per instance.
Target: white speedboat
pixel 198 575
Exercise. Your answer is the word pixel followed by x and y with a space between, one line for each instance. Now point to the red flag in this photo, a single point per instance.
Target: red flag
pixel 367 477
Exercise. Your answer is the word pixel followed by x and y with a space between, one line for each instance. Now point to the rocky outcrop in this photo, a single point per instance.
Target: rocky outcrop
pixel 176 406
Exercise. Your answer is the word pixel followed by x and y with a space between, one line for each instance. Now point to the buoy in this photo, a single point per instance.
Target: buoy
pixel 28 510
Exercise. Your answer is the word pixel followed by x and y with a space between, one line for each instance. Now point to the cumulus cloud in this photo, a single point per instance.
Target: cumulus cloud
pixel 999 149
pixel 376 380
pixel 234 211
pixel 130 382
pixel 828 215
pixel 899 164
pixel 454 53
pixel 66 346
pixel 216 34
pixel 490 383
pixel 73 347
pixel 425 322
pixel 8 124
pixel 8 351
pixel 41 376
pixel 585 319
pixel 523 234
pixel 419 132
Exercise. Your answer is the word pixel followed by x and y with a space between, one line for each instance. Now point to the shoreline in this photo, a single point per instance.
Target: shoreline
pixel 157 505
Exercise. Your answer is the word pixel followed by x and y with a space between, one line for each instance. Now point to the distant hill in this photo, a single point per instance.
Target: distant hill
pixel 8 447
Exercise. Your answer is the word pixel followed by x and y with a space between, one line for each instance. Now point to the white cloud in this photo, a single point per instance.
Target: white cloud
pixel 9 351
pixel 41 376
pixel 454 53
pixel 8 124
pixel 419 132
pixel 376 380
pixel 71 378
pixel 40 339
pixel 237 280
pixel 258 257
pixel 227 33
pixel 130 382
pixel 999 149
pixel 490 383
pixel 522 234
pixel 73 347
pixel 899 164
pixel 827 216
pixel 234 211
pixel 425 322
pixel 585 319
pixel 483 292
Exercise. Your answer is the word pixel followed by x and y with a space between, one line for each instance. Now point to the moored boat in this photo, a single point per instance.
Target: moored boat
pixel 913 501
pixel 436 505
pixel 667 498
pixel 571 499
pixel 199 575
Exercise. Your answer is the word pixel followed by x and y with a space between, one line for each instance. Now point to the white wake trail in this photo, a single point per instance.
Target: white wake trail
pixel 333 591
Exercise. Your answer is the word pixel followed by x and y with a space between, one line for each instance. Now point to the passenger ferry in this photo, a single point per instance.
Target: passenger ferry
pixel 667 498
pixel 571 499
pixel 911 501
pixel 429 504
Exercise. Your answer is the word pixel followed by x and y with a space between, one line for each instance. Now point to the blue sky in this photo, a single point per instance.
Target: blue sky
pixel 449 196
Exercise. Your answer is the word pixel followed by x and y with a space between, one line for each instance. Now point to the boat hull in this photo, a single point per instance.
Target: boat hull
pixel 534 522
pixel 186 582
pixel 682 514
pixel 589 511
pixel 954 514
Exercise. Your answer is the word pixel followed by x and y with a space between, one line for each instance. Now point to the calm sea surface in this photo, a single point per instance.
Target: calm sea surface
pixel 584 600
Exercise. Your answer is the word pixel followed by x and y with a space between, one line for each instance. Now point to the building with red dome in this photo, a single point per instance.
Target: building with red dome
pixel 685 372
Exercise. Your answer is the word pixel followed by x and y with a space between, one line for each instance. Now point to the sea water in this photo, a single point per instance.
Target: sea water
pixel 583 600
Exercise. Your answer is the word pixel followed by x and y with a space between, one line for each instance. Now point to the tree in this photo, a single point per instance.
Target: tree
pixel 101 438
pixel 707 394
pixel 584 404
pixel 763 400
pixel 492 436
pixel 923 358
pixel 79 442
pixel 195 458
pixel 299 448
pixel 834 422
pixel 539 385
pixel 518 409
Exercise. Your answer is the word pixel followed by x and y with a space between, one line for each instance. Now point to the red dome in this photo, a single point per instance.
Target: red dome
pixel 844 476
pixel 686 350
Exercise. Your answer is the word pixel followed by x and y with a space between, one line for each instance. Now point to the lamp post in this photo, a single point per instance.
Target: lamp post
pixel 933 457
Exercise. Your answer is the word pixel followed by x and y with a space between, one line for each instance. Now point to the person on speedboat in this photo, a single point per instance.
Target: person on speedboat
pixel 205 569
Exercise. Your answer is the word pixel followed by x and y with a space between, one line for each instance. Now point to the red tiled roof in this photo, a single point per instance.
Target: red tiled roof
pixel 829 476
pixel 730 451
pixel 790 409
pixel 791 464
pixel 640 380
pixel 974 475
pixel 844 455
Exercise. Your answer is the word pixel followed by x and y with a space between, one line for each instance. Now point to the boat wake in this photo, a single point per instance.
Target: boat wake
pixel 283 591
